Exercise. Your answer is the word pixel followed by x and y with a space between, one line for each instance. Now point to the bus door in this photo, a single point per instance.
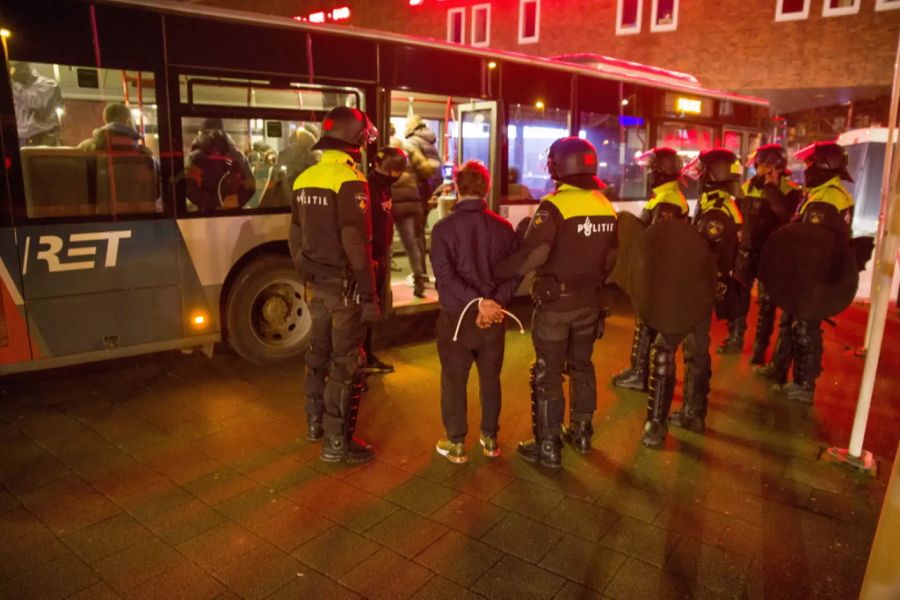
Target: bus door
pixel 97 250
pixel 478 140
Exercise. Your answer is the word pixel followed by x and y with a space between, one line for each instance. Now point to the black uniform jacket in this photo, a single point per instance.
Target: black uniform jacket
pixel 382 214
pixel 331 229
pixel 766 207
pixel 569 240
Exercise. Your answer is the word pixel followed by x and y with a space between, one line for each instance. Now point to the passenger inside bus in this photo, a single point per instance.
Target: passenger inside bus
pixel 72 167
pixel 218 175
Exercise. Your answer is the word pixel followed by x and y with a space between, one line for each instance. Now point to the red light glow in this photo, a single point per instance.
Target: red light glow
pixel 317 17
pixel 340 14
pixel 415 2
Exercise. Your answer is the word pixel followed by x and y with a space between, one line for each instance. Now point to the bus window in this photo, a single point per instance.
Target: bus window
pixel 244 163
pixel 617 140
pixel 88 138
pixel 531 130
pixel 257 94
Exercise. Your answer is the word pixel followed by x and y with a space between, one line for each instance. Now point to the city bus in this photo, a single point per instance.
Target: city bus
pixel 174 236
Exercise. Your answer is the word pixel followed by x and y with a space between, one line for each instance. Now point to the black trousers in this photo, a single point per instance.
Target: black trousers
pixel 799 344
pixel 565 339
pixel 335 354
pixel 697 371
pixel 484 347
pixel 381 270
pixel 409 219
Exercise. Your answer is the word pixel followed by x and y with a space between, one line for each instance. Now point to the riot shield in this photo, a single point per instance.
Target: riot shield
pixel 630 230
pixel 672 277
pixel 809 271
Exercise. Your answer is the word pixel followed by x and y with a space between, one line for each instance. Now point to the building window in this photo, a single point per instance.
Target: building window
pixel 664 16
pixel 837 8
pixel 456 25
pixel 529 21
pixel 887 4
pixel 792 10
pixel 481 25
pixel 628 19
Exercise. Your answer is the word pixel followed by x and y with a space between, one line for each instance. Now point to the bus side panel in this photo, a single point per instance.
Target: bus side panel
pixel 14 341
pixel 108 320
pixel 90 286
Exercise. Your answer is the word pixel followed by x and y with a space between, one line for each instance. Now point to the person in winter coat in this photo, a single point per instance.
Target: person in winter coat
pixel 218 174
pixel 409 204
pixel 117 134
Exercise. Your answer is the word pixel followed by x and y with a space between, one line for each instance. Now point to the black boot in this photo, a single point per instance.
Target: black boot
pixel 547 451
pixel 662 387
pixel 544 448
pixel 313 428
pixel 343 447
pixel 578 434
pixel 692 415
pixel 338 448
pixel 734 343
pixel 374 365
pixel 765 325
pixel 807 345
pixel 419 282
pixel 635 377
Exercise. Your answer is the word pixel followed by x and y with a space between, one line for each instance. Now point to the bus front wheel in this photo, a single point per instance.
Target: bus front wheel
pixel 267 318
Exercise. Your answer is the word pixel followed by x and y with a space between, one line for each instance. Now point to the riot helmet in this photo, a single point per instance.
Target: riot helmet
pixel 571 156
pixel 346 129
pixel 824 160
pixel 771 155
pixel 717 168
pixel 663 163
pixel 392 160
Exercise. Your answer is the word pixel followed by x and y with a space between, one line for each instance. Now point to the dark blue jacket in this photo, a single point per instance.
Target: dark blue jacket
pixel 464 247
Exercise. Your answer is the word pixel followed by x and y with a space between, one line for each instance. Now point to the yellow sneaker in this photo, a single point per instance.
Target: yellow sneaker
pixel 489 445
pixel 454 452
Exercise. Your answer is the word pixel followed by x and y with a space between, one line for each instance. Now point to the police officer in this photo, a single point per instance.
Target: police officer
pixel 827 204
pixel 666 201
pixel 769 200
pixel 717 218
pixel 330 242
pixel 389 164
pixel 567 243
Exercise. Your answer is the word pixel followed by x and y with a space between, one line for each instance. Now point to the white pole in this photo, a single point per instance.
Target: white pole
pixel 885 274
pixel 885 198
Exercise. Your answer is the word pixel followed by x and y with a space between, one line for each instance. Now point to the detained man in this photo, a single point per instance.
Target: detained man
pixel 464 246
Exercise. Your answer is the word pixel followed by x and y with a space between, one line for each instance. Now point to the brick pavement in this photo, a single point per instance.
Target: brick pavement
pixel 175 476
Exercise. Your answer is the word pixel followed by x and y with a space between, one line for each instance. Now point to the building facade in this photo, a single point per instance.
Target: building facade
pixel 826 65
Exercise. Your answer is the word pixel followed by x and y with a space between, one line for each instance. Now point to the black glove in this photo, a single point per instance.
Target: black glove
pixel 371 312
pixel 601 323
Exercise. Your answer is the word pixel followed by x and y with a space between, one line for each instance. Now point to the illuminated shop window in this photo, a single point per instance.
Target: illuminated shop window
pixel 791 10
pixel 664 16
pixel 456 25
pixel 628 18
pixel 529 21
pixel 838 8
pixel 887 4
pixel 481 25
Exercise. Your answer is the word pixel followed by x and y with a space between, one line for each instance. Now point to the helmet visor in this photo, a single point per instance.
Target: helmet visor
pixel 369 133
pixel 804 154
pixel 645 159
pixel 693 169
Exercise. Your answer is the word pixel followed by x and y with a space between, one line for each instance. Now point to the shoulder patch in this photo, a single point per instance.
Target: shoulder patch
pixel 361 201
pixel 540 217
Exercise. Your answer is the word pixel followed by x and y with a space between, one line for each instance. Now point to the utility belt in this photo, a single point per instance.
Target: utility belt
pixel 547 289
pixel 327 275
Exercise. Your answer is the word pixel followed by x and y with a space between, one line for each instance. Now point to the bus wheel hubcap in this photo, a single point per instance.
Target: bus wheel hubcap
pixel 278 315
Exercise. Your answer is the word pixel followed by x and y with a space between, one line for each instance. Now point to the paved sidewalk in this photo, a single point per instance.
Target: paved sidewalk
pixel 175 476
